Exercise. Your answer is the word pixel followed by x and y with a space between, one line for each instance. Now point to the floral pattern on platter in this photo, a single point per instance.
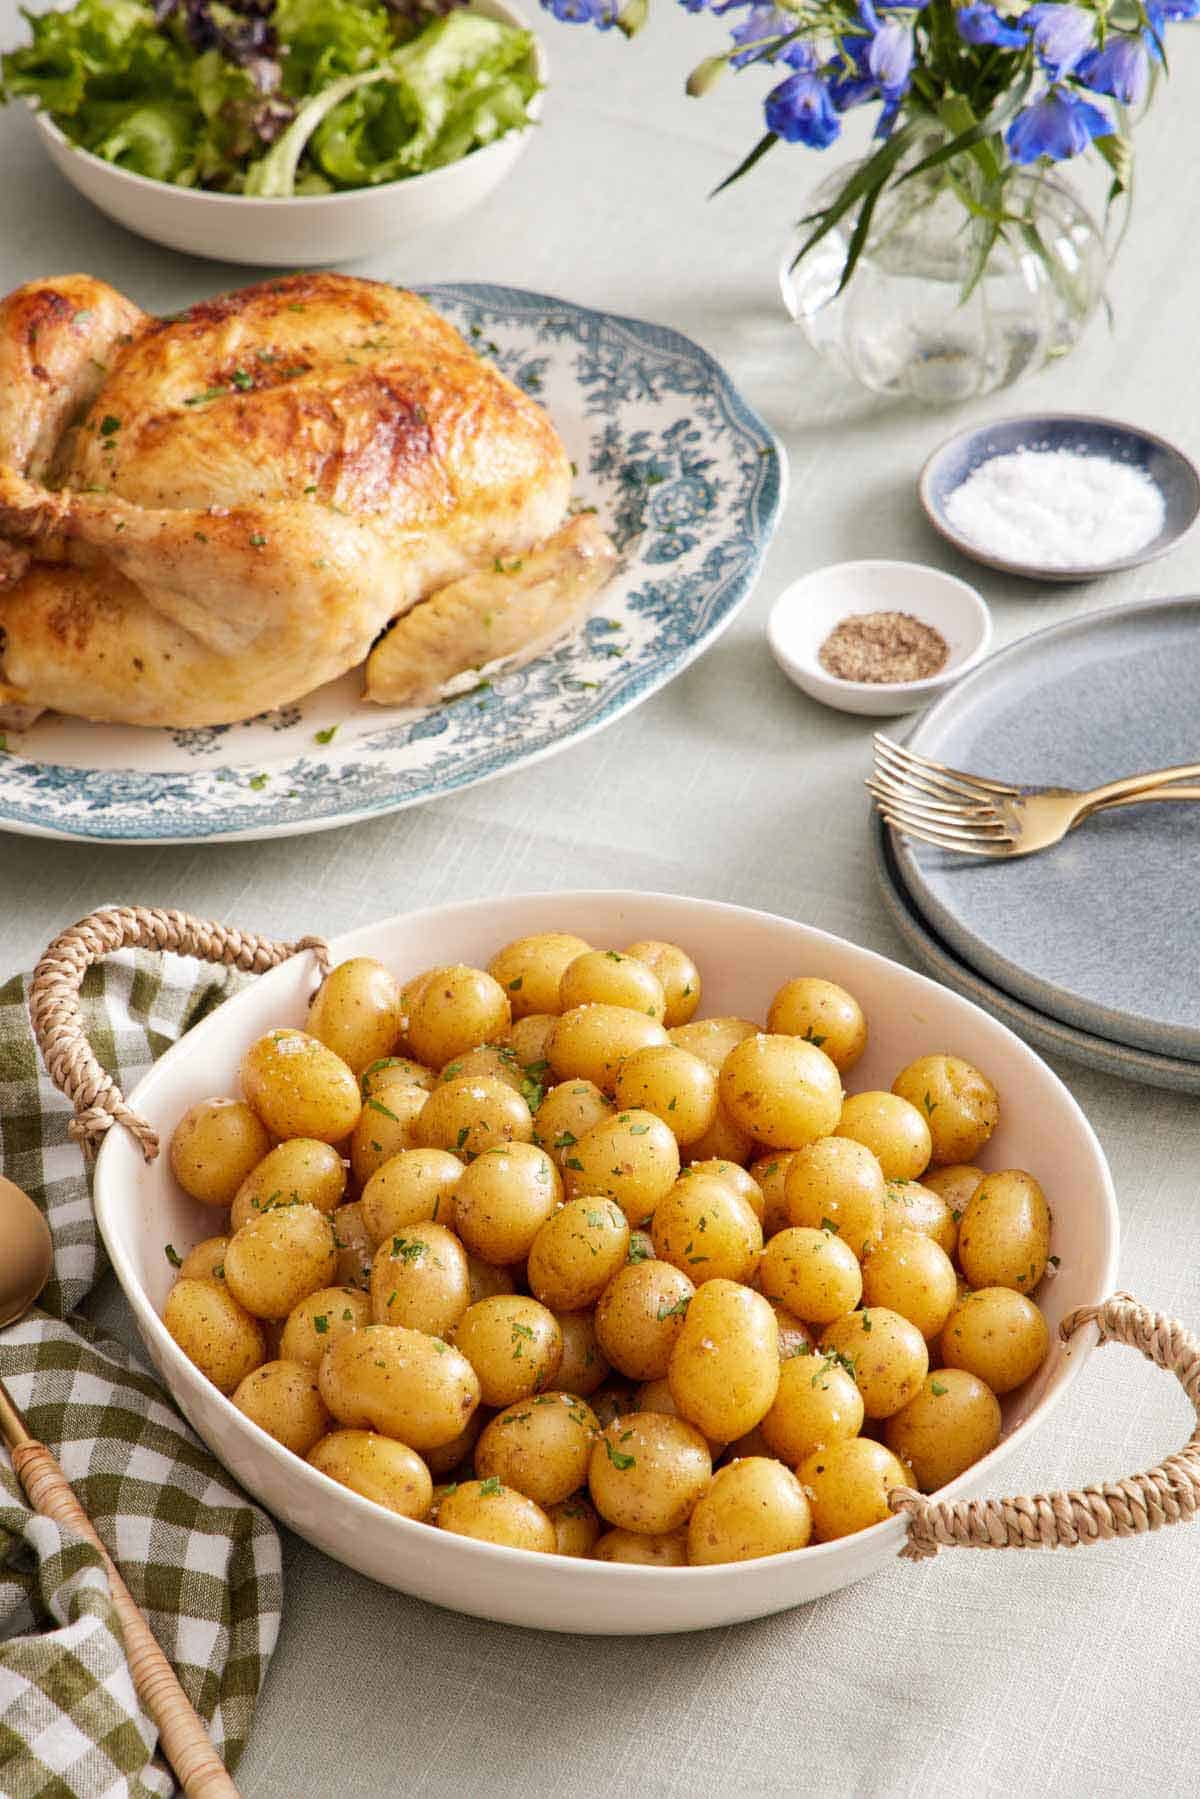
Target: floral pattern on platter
pixel 685 476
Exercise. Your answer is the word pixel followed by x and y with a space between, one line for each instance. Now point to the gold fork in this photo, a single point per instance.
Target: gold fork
pixel 981 817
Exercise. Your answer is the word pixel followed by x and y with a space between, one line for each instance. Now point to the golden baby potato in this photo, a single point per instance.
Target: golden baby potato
pixel 278 1257
pixel 724 1368
pixel 824 1014
pixel 584 1366
pixel 708 1230
pixel 299 1088
pixel 494 1513
pixel 631 1546
pixel 847 1484
pixel 945 1428
pixel 576 1253
pixel 754 1507
pixel 205 1261
pixel 1004 1236
pixel 531 969
pixel 912 1206
pixel 456 1454
pixel 540 1446
pixel 677 974
pixel 283 1399
pixel 409 1188
pixel 673 1084
pixel 377 1468
pixel 357 1012
pixel 795 1338
pixel 640 1315
pixel 837 1182
pixel 224 1341
pixel 576 1525
pixel 960 1104
pixel 910 1273
pixel 302 1170
pixel 723 1141
pixel 487 1281
pixel 410 993
pixel 568 1113
pixel 605 977
pixel 733 1175
pixel 466 1117
pixel 769 1174
pixel 319 1319
pixel 419 1279
pixel 490 1061
pixel 998 1335
pixel 387 1127
pixel 401 1382
pixel 503 1199
pixel 646 1472
pixel 712 1038
pixel 892 1129
pixel 818 1402
pixel 783 1091
pixel 631 1157
pixel 528 1039
pixel 458 1009
pixel 955 1183
pixel 889 1356
pixel 395 1071
pixel 214 1147
pixel 590 1042
pixel 812 1273
pixel 353 1244
pixel 514 1345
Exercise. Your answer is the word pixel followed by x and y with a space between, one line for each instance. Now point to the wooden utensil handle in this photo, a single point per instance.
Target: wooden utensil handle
pixel 1166 1494
pixel 184 1736
pixel 58 1021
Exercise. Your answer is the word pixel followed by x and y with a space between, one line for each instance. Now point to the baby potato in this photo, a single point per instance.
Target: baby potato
pixel 837 1182
pixel 769 1173
pixel 712 1038
pixel 576 1525
pixel 673 1084
pixel 912 1206
pixel 540 1446
pixel 395 1071
pixel 443 1460
pixel 640 1315
pixel 419 1279
pixel 408 1188
pixel 531 969
pixel 278 1258
pixel 754 1507
pixel 458 1009
pixel 847 1484
pixel 491 1062
pixel 486 1281
pixel 1004 1236
pixel 892 1129
pixel 353 1244
pixel 576 1253
pixel 631 1157
pixel 205 1261
pixel 677 974
pixel 708 1230
pixel 647 1471
pixel 590 1042
pixel 583 1367
pixel 723 1141
pixel 528 1039
pixel 301 1170
pixel 889 1356
pixel 812 1273
pixel 387 1127
pixel 400 1382
pixel 378 1468
pixel 607 978
pixel 214 1147
pixel 998 1335
pixel 784 1091
pixel 945 1428
pixel 494 1513
pixel 514 1345
pixel 568 1113
pixel 318 1320
pixel 822 1013
pixel 283 1399
pixel 955 1183
pixel 795 1338
pixel 357 1012
pixel 224 1341
pixel 733 1175
pixel 724 1368
pixel 666 1551
pixel 299 1088
pixel 817 1403
pixel 503 1199
pixel 909 1273
pixel 959 1103
pixel 466 1117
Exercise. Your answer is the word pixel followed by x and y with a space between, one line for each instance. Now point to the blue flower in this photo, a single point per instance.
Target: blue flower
pixel 984 25
pixel 601 13
pixel 1121 68
pixel 762 25
pixel 1061 34
pixel 800 111
pixel 890 58
pixel 1059 125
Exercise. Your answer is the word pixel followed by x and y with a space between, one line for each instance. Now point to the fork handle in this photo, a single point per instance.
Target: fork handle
pixel 1135 799
pixel 1140 785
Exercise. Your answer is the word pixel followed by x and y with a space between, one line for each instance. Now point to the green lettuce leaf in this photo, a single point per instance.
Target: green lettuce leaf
pixel 71 49
pixel 329 38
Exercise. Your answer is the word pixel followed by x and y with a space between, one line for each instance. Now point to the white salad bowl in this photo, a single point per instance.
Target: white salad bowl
pixel 744 957
pixel 307 229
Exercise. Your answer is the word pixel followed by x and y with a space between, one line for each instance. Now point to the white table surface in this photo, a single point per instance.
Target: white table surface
pixel 1071 1674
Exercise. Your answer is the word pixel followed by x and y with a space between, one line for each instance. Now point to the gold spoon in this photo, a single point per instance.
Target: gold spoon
pixel 25 1262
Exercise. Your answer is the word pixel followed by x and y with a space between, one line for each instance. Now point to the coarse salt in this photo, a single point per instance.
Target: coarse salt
pixel 1057 508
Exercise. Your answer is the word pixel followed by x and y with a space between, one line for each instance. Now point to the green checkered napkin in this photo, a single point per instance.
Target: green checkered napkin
pixel 202 1562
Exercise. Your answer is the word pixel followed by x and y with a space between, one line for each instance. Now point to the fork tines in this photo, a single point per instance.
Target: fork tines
pixel 940 805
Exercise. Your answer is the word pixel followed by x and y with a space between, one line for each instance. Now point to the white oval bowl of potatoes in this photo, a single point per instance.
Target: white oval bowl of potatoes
pixel 592 1384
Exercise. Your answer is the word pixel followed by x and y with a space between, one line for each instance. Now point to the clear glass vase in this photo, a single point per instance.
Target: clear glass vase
pixel 902 325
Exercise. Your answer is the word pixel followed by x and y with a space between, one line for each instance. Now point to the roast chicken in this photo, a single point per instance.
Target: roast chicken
pixel 207 516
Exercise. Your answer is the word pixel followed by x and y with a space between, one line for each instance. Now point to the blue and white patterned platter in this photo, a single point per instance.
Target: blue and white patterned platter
pixel 685 476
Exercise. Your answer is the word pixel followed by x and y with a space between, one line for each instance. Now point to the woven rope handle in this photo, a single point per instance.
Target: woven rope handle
pixel 1166 1494
pixel 58 1020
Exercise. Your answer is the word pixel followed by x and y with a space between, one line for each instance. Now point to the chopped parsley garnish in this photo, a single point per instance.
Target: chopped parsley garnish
pixel 618 1458
pixel 678 1310
pixel 936 1387
pixel 321 1322
pixel 173 1256
pixel 325 736
pixel 109 425
pixel 489 1488
pixel 377 1105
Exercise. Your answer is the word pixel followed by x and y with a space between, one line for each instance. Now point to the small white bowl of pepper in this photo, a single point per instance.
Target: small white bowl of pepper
pixel 877 637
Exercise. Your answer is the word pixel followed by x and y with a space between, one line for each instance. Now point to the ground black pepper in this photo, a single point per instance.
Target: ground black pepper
pixel 883 647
